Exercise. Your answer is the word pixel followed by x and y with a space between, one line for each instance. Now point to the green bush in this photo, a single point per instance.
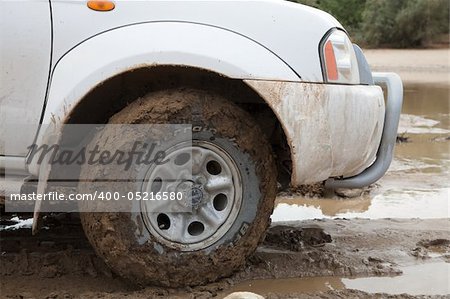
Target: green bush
pixel 393 23
pixel 404 23
pixel 348 12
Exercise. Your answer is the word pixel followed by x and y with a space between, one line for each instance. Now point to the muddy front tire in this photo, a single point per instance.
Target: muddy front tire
pixel 191 254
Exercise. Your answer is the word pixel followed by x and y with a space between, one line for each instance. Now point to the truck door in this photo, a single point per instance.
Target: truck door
pixel 25 55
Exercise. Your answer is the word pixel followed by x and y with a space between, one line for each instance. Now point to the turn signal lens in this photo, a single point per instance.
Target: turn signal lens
pixel 330 62
pixel 101 5
pixel 339 59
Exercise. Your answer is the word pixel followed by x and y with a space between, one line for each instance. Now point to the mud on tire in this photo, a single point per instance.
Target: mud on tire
pixel 132 251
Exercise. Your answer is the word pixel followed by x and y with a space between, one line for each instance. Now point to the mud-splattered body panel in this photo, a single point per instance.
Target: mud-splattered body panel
pixel 333 130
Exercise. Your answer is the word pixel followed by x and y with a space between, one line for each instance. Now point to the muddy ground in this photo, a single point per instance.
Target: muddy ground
pixel 59 262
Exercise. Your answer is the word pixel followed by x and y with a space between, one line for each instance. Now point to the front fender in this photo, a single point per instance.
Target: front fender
pixel 160 43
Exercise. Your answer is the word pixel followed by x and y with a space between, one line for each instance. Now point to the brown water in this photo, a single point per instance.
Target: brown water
pixel 417 184
pixel 420 279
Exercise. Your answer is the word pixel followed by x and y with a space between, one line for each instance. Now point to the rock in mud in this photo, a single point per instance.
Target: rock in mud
pixel 244 295
pixel 403 139
pixel 314 190
pixel 437 246
pixel 435 243
pixel 295 239
pixel 352 193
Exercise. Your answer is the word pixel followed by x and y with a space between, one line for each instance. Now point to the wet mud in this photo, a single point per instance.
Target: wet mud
pixel 60 263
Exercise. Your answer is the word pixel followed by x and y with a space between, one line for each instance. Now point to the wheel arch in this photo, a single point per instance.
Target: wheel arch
pixel 121 90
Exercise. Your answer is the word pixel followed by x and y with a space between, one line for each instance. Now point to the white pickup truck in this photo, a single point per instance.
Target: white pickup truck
pixel 275 93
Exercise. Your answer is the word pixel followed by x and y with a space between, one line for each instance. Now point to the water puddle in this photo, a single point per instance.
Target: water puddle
pixel 417 184
pixel 421 279
pixel 400 203
pixel 412 124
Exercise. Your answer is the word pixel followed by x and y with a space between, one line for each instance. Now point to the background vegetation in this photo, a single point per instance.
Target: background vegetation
pixel 390 23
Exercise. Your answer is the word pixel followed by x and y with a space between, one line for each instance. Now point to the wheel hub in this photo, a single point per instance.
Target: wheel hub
pixel 193 194
pixel 210 184
pixel 196 197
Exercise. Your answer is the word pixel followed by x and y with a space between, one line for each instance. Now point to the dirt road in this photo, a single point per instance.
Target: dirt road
pixel 414 66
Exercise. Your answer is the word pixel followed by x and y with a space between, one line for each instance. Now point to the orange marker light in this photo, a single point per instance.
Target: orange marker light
pixel 330 62
pixel 101 5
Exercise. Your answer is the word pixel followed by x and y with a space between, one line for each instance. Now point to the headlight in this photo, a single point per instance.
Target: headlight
pixel 339 61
